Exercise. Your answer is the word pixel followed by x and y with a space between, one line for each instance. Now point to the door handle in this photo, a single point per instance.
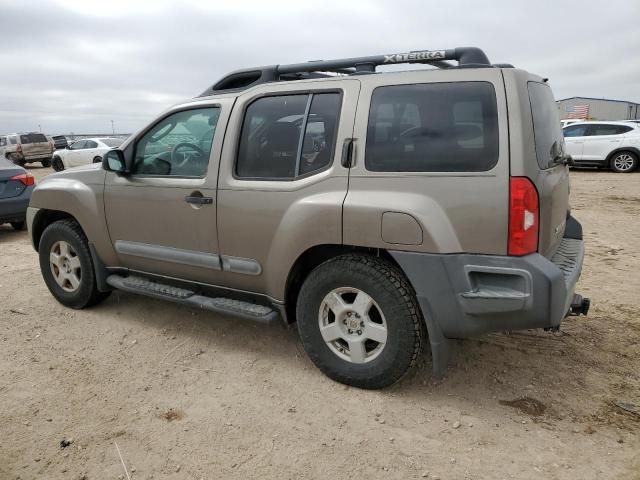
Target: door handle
pixel 198 200
pixel 347 153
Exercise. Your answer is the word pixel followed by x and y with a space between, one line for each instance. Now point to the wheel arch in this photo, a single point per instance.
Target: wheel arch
pixel 310 259
pixel 43 218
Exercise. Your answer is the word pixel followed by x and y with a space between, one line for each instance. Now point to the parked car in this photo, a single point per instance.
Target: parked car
pixel 23 148
pixel 615 145
pixel 60 142
pixel 366 208
pixel 83 152
pixel 16 185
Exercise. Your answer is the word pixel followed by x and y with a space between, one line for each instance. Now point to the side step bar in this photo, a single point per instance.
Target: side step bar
pixel 227 306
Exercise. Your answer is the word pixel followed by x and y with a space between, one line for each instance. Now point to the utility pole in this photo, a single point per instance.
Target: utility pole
pixel 40 128
pixel 113 130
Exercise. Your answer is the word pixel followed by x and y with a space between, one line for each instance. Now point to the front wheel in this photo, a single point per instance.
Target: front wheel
pixel 624 162
pixel 66 265
pixel 359 321
pixel 57 164
pixel 97 159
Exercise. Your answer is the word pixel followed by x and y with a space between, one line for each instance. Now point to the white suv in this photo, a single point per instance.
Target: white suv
pixel 604 144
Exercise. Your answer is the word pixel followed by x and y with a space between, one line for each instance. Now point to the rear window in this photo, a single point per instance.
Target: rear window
pixel 546 123
pixel 436 127
pixel 33 138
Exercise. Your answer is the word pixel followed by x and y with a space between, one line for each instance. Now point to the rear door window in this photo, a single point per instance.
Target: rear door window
pixel 436 127
pixel 549 139
pixel 288 136
pixel 596 130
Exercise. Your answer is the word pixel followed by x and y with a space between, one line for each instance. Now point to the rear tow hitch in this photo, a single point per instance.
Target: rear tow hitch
pixel 579 306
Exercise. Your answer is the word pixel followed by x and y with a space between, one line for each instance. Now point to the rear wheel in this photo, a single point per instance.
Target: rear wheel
pixel 359 321
pixel 66 265
pixel 57 164
pixel 624 162
pixel 18 225
pixel 46 163
pixel 97 159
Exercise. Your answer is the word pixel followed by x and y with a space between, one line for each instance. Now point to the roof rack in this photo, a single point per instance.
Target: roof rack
pixel 241 79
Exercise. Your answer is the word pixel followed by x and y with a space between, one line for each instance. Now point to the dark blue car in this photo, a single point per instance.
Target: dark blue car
pixel 16 185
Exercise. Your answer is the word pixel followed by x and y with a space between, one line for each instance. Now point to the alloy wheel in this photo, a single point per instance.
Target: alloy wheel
pixel 352 325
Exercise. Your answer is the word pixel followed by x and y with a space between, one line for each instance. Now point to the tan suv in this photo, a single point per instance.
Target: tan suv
pixel 23 148
pixel 369 208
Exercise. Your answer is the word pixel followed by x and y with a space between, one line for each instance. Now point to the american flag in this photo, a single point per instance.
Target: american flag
pixel 577 111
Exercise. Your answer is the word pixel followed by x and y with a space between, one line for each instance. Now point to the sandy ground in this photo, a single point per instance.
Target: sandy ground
pixel 189 395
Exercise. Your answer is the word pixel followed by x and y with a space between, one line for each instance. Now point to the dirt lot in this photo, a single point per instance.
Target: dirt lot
pixel 188 395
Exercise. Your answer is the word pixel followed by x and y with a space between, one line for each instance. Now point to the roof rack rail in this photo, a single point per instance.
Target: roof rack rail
pixel 241 79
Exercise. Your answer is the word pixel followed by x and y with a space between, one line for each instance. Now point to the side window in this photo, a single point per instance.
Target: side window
pixel 13 140
pixel 90 144
pixel 284 137
pixel 3 141
pixel 438 127
pixel 178 145
pixel 604 129
pixel 575 131
pixel 79 145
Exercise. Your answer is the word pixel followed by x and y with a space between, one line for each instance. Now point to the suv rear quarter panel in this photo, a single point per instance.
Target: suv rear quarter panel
pixel 456 211
pixel 552 183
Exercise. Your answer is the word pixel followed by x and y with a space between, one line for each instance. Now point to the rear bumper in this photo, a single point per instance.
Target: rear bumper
pixel 465 295
pixel 15 209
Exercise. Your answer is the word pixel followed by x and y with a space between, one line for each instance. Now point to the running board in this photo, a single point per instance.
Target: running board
pixel 228 306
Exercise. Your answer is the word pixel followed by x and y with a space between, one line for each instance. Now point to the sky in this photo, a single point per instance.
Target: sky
pixel 76 65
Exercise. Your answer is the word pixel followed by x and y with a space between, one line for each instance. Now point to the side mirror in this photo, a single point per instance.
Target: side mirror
pixel 113 161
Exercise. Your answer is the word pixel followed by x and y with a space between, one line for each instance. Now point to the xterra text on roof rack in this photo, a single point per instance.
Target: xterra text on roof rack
pixel 370 208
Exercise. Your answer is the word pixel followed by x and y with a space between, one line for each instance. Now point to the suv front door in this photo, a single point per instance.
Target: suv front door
pixel 162 216
pixel 574 137
pixel 282 183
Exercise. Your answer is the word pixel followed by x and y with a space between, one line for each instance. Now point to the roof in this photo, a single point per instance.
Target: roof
pixel 601 99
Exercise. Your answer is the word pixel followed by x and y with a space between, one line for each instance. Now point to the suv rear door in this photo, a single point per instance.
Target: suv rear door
pixel 431 170
pixel 281 183
pixel 602 139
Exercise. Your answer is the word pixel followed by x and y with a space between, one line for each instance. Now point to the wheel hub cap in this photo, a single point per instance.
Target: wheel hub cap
pixel 352 325
pixel 65 266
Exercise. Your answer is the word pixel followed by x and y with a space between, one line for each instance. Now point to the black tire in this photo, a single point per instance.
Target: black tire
pixel 17 160
pixel 18 226
pixel 87 293
pixel 623 162
pixel 46 163
pixel 97 159
pixel 392 294
pixel 57 164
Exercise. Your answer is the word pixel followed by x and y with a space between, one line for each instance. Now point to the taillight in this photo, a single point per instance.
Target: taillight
pixel 24 178
pixel 19 148
pixel 524 216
